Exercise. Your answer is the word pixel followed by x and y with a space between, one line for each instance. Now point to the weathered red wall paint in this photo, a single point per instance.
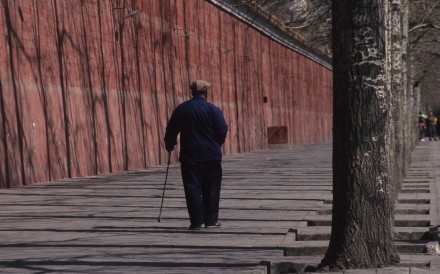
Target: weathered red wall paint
pixel 86 91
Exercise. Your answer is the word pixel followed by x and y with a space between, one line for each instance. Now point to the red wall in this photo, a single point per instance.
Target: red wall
pixel 84 91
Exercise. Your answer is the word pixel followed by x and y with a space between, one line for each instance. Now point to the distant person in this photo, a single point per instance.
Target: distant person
pixel 431 124
pixel 202 130
pixel 422 126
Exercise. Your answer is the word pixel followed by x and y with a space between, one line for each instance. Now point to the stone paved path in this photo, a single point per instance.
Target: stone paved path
pixel 274 203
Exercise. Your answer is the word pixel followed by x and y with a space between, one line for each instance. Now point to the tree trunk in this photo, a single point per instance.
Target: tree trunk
pixel 363 185
pixel 397 91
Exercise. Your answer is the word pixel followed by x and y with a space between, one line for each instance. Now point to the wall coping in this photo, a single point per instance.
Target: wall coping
pixel 259 22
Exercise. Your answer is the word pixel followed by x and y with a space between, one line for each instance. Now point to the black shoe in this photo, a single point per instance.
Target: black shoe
pixel 216 225
pixel 195 227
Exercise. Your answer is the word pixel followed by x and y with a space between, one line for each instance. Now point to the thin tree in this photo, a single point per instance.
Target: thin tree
pixel 363 185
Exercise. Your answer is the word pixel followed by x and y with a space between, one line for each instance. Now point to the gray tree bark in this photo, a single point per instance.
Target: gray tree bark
pixel 364 189
pixel 397 91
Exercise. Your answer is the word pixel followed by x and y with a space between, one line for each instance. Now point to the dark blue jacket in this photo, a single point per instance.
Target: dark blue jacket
pixel 202 129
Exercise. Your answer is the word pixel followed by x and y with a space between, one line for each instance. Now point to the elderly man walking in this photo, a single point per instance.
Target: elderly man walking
pixel 203 129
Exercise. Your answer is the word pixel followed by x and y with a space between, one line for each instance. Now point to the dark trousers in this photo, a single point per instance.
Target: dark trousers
pixel 432 132
pixel 202 184
pixel 422 132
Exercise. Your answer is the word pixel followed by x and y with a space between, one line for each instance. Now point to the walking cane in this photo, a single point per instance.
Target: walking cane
pixel 164 186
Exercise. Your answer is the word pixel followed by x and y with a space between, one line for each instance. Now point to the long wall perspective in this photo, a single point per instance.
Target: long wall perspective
pixel 87 86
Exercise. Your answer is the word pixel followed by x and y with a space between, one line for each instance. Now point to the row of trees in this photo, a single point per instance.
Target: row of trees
pixel 381 51
pixel 313 20
pixel 371 103
pixel 424 33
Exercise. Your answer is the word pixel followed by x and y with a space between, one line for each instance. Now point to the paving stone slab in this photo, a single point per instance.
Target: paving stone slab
pixel 108 223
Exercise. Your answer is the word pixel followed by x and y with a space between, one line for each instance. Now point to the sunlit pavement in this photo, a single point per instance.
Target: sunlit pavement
pixel 275 211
